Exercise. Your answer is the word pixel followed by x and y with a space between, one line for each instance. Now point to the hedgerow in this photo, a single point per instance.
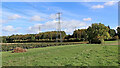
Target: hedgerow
pixel 10 47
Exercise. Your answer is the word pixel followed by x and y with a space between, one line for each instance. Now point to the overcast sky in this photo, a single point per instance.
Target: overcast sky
pixel 26 17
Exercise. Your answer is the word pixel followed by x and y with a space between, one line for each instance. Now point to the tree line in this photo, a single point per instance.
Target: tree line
pixel 96 33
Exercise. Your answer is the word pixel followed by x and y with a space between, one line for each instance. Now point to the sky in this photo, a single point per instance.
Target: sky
pixel 35 17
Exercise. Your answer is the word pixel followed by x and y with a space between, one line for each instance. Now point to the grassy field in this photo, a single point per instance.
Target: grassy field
pixel 70 55
pixel 111 42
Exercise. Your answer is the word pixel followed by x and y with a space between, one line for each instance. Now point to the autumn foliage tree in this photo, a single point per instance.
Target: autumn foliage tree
pixel 80 34
pixel 97 32
pixel 44 36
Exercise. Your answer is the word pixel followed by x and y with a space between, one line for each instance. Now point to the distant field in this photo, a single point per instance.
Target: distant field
pixel 70 55
pixel 112 42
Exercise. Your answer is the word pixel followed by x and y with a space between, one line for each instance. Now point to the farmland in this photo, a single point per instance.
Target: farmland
pixel 70 55
pixel 59 34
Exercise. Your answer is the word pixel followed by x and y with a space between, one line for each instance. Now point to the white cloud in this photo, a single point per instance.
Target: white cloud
pixel 110 3
pixel 115 28
pixel 69 31
pixel 53 16
pixel 87 19
pixel 97 6
pixel 68 26
pixel 3 21
pixel 48 26
pixel 13 17
pixel 9 28
pixel 71 25
pixel 37 18
pixel 35 28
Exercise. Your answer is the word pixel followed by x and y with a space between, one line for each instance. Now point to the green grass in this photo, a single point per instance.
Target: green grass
pixel 70 55
pixel 111 41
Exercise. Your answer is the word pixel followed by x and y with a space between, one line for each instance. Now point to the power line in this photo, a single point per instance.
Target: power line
pixel 59 21
pixel 59 27
pixel 33 6
pixel 15 10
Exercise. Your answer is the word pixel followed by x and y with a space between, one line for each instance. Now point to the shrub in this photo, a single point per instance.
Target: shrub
pixel 19 50
pixel 10 47
pixel 116 37
pixel 96 41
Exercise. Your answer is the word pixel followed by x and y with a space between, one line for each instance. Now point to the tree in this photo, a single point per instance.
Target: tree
pixel 97 32
pixel 33 38
pixel 118 31
pixel 68 37
pixel 112 32
pixel 4 39
pixel 77 34
pixel 106 35
pixel 80 34
pixel 116 37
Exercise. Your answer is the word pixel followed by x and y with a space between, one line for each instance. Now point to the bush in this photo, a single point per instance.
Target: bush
pixel 116 37
pixel 10 47
pixel 18 50
pixel 95 41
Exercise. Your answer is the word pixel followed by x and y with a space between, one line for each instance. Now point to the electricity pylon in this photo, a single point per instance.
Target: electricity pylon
pixel 39 29
pixel 59 27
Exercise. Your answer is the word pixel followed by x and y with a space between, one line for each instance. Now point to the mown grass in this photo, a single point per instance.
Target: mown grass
pixel 70 55
pixel 109 42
